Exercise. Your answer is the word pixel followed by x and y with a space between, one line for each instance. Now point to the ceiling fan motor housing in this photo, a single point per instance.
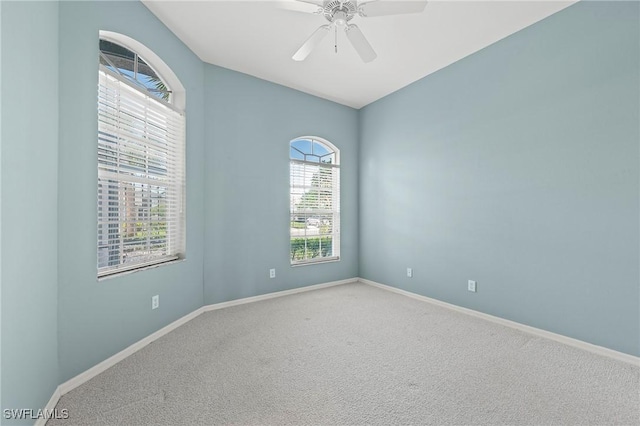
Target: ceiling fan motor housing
pixel 339 12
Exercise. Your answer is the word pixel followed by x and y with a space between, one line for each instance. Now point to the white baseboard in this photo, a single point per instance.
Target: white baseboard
pixel 590 347
pixel 42 421
pixel 267 296
pixel 113 360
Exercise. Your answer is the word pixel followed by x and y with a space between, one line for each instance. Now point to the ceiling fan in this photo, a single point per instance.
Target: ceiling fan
pixel 339 13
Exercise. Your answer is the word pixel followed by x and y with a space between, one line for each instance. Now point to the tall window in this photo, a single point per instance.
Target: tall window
pixel 314 175
pixel 141 149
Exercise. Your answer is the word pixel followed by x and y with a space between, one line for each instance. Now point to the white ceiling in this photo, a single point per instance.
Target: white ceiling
pixel 259 37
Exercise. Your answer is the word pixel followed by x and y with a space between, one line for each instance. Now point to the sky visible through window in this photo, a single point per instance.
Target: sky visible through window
pixel 146 80
pixel 131 66
pixel 308 150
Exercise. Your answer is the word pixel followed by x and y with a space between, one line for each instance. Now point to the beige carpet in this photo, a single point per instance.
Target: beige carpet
pixel 355 354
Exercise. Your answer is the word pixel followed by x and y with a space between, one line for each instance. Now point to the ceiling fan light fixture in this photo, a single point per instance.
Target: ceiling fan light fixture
pixel 340 18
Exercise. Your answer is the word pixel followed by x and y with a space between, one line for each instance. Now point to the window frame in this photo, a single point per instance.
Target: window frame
pixel 174 154
pixel 335 194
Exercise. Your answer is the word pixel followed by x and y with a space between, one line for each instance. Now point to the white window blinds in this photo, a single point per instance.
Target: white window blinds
pixel 141 175
pixel 314 202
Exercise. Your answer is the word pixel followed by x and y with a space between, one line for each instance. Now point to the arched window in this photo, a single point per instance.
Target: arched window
pixel 314 193
pixel 141 158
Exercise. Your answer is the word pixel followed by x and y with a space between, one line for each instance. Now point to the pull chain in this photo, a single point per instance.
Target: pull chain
pixel 336 34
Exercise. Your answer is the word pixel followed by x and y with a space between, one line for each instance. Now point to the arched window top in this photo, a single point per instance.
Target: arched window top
pixel 314 150
pixel 140 66
pixel 130 65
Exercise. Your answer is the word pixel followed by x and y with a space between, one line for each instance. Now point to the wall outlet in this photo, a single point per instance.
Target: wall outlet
pixel 471 286
pixel 155 302
pixel 409 272
pixel 272 273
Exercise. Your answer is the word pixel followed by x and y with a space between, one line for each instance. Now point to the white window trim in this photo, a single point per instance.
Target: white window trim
pixel 178 99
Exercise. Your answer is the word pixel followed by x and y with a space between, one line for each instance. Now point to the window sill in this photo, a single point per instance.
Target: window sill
pixel 116 274
pixel 316 262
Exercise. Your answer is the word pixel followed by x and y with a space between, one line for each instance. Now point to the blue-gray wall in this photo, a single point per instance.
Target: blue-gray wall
pixel 517 167
pixel 29 168
pixel 98 319
pixel 250 123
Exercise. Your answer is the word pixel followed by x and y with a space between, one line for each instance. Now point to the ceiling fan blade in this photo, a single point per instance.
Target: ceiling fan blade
pixel 360 43
pixel 311 43
pixel 319 3
pixel 390 7
pixel 299 6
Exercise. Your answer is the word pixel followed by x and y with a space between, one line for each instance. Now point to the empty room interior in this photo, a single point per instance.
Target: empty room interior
pixel 319 212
